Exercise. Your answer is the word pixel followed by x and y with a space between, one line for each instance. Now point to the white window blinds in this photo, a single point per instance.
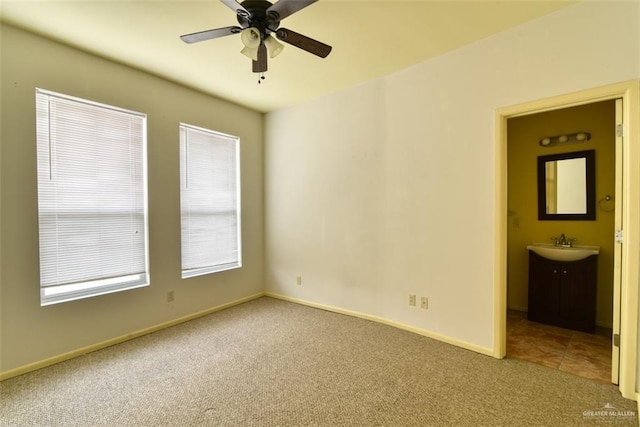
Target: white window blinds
pixel 91 198
pixel 209 201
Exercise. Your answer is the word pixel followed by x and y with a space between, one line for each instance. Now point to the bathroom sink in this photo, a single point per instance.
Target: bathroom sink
pixel 560 253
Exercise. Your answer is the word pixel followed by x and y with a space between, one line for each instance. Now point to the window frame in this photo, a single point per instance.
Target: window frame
pixel 67 289
pixel 189 272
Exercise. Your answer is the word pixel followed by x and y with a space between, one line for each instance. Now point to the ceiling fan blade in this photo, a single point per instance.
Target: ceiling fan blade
pixel 236 7
pixel 303 42
pixel 260 66
pixel 285 8
pixel 210 34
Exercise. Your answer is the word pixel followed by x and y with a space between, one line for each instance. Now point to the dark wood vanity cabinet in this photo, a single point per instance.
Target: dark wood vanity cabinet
pixel 563 293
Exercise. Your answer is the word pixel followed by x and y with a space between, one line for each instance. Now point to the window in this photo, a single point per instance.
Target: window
pixel 209 201
pixel 92 204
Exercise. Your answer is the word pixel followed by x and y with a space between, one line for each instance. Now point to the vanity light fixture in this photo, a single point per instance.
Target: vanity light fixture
pixel 571 138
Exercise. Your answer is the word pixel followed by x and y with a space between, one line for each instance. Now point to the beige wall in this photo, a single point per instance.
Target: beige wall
pixel 524 227
pixel 31 333
pixel 388 188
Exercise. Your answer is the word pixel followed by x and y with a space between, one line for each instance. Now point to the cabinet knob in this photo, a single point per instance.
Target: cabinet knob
pixel 564 271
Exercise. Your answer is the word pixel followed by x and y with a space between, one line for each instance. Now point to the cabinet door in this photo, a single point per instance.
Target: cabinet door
pixel 544 289
pixel 578 294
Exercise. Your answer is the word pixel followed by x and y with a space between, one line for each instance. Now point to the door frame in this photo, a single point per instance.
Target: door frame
pixel 617 251
pixel 629 261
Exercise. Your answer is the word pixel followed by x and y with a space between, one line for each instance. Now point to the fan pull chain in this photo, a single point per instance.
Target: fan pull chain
pixel 262 77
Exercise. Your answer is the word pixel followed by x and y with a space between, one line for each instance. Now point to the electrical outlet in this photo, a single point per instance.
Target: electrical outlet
pixel 299 280
pixel 412 300
pixel 424 303
pixel 170 296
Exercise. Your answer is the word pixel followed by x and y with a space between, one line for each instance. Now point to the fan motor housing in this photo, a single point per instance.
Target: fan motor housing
pixel 258 16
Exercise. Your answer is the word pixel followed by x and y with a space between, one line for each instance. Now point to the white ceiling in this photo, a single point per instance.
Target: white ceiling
pixel 370 38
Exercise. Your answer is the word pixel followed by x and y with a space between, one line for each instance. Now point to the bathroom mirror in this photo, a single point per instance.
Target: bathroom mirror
pixel 566 186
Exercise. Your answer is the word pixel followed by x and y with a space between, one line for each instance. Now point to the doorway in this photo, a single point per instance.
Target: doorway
pixel 584 354
pixel 627 199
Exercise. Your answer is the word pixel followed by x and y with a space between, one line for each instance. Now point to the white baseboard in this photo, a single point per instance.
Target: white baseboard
pixel 98 346
pixel 424 332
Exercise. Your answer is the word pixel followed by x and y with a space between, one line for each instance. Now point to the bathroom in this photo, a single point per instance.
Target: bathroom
pixel 524 227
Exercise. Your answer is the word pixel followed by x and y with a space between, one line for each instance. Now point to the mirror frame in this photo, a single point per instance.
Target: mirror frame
pixel 590 156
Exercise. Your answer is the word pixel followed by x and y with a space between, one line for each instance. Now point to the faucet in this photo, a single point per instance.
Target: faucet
pixel 563 241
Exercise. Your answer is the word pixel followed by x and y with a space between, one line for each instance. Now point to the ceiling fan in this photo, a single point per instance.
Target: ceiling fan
pixel 259 20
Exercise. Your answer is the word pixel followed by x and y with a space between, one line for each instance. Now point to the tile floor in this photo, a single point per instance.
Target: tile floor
pixel 579 353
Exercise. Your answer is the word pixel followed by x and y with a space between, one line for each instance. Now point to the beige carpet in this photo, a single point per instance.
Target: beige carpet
pixel 274 363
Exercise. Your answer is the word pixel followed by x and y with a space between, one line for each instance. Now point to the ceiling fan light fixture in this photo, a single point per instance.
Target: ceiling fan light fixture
pixel 250 52
pixel 274 46
pixel 259 22
pixel 251 37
